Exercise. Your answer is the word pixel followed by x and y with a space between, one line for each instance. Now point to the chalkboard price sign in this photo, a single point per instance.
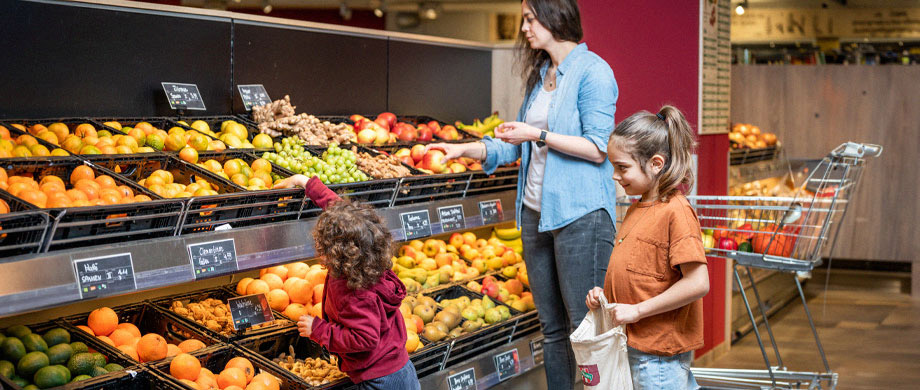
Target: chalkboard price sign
pixel 253 95
pixel 183 96
pixel 212 258
pixel 463 380
pixel 491 211
pixel 105 275
pixel 507 364
pixel 416 224
pixel 249 310
pixel 451 218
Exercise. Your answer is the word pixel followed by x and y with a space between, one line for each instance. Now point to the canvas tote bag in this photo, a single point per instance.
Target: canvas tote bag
pixel 600 351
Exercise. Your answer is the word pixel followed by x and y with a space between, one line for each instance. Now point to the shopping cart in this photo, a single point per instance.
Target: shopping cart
pixel 786 234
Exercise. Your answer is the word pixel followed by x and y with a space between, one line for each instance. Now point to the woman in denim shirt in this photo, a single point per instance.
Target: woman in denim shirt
pixel 565 195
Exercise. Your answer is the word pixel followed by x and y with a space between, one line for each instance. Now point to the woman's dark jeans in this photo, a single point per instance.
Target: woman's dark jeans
pixel 562 266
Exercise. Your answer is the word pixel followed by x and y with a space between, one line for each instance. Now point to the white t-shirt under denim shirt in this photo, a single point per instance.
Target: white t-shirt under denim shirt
pixel 537 117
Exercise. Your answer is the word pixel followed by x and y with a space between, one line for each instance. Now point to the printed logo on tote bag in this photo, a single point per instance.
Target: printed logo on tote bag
pixel 589 375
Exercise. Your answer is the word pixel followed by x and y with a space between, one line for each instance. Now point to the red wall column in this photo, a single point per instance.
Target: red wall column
pixel 653 48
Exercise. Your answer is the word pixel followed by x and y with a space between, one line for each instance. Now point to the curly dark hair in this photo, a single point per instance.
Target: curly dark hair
pixel 355 243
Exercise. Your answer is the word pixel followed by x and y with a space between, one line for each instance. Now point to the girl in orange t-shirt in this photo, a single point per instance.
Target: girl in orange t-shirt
pixel 657 273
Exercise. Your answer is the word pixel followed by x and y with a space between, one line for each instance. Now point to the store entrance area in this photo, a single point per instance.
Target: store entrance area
pixel 868 325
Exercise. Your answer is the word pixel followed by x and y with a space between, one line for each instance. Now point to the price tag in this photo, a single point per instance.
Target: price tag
pixel 463 380
pixel 249 310
pixel 416 224
pixel 491 211
pixel 105 275
pixel 183 96
pixel 451 218
pixel 507 364
pixel 253 95
pixel 536 349
pixel 212 258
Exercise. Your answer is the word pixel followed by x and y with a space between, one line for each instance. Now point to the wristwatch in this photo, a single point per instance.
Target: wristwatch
pixel 542 142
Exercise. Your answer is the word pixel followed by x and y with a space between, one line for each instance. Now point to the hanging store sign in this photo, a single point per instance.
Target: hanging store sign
pixel 779 25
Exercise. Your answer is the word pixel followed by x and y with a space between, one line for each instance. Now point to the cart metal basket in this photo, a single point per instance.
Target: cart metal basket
pixel 786 234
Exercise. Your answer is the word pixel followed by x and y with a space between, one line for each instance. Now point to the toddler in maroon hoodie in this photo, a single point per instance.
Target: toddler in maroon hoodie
pixel 361 321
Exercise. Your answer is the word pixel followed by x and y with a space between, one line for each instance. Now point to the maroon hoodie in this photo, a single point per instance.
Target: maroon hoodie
pixel 364 327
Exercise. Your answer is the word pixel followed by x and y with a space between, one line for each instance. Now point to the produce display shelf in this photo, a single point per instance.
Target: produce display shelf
pixel 166 259
pixel 215 357
pixel 746 155
pixel 484 372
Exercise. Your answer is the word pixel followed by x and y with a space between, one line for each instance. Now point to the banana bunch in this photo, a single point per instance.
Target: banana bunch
pixel 510 237
pixel 482 128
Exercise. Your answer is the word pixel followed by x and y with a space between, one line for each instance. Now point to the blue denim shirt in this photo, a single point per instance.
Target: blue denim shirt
pixel 583 105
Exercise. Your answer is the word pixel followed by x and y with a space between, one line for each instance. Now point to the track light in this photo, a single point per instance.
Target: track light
pixel 428 11
pixel 344 11
pixel 378 7
pixel 739 10
pixel 266 6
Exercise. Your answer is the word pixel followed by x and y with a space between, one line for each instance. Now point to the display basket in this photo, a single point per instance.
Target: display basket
pixel 746 155
pixel 73 227
pixel 157 122
pixel 527 323
pixel 377 193
pixel 148 319
pixel 215 358
pixel 22 229
pixel 15 133
pixel 289 341
pixel 487 338
pixel 125 376
pixel 166 303
pixel 503 179
pixel 214 123
pixel 98 125
pixel 430 188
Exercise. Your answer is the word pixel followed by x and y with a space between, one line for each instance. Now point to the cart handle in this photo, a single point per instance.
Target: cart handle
pixel 857 150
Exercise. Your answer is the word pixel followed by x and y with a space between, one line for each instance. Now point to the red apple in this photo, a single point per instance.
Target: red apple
pixel 389 117
pixel 424 133
pixel 456 240
pixel 367 136
pixel 355 118
pixel 382 122
pixel 407 135
pixel 418 152
pixel 433 160
pixel 475 166
pixel 449 132
pixel 362 124
pixel 407 160
pixel 403 152
pixel 434 126
pixel 457 167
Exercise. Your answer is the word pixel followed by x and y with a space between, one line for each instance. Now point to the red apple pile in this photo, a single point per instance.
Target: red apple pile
pixel 431 162
pixel 385 129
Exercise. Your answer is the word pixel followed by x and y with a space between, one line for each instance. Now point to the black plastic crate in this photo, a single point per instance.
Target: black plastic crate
pixel 429 188
pixel 527 323
pixel 503 179
pixel 215 358
pixel 430 359
pixel 485 339
pixel 94 345
pixel 161 123
pixel 23 229
pixel 746 155
pixel 272 345
pixel 83 226
pixel 221 294
pixel 148 319
pixel 376 193
pixel 15 133
pixel 72 123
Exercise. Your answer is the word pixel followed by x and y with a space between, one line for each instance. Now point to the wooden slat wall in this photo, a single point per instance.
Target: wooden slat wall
pixel 813 109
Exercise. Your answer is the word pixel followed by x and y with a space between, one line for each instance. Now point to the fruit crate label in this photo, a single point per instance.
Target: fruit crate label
pixel 183 96
pixel 491 211
pixel 463 380
pixel 536 349
pixel 253 95
pixel 451 218
pixel 416 224
pixel 212 258
pixel 249 310
pixel 105 275
pixel 507 364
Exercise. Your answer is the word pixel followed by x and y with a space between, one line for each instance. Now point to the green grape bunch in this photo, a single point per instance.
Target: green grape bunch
pixel 335 166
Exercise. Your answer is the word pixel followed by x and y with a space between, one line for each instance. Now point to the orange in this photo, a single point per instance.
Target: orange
pixel 22 151
pixel 318 293
pixel 146 127
pixel 46 179
pixel 72 145
pixel 191 384
pixel 135 332
pixel 232 376
pixel 16 187
pixel 142 198
pixel 301 292
pixel 121 337
pixel 232 388
pixel 151 347
pixel 19 126
pixel 39 150
pixel 49 137
pixel 191 345
pixel 37 128
pixel 91 140
pixel 199 142
pixel 106 340
pixel 316 276
pixel 289 282
pixel 105 181
pixel 129 350
pixel 257 287
pixel 206 372
pixel 232 167
pixel 267 380
pixel 49 187
pixel 84 130
pixel 189 154
pixel 261 165
pixel 37 198
pixel 217 146
pixel 76 195
pixel 172 350
pixel 295 310
pixel 185 366
pixel 317 310
pixel 4 207
pixel 273 281
pixel 298 269
pixel 174 142
pixel 240 179
pixel 86 329
pixel 58 200
pixel 102 321
pixel 90 190
pixel 278 299
pixel 206 381
pixel 125 191
pixel 121 149
pixel 81 172
pixel 243 364
pixel 241 286
pixel 4 133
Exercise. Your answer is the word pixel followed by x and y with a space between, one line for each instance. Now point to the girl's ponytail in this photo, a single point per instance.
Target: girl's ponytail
pixel 678 170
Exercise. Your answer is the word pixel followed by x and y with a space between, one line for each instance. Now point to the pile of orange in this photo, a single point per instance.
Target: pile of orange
pixel 238 374
pixel 103 324
pixel 178 139
pixel 294 289
pixel 86 189
pixel 253 177
pixel 25 145
pixel 86 139
pixel 162 183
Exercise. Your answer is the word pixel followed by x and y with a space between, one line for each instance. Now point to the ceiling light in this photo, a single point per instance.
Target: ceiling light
pixel 344 11
pixel 428 11
pixel 266 6
pixel 739 10
pixel 378 7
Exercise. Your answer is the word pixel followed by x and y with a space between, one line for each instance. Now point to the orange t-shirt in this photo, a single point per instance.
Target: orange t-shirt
pixel 655 238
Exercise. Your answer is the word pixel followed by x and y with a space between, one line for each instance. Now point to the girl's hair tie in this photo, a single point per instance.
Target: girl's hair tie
pixel 660 116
